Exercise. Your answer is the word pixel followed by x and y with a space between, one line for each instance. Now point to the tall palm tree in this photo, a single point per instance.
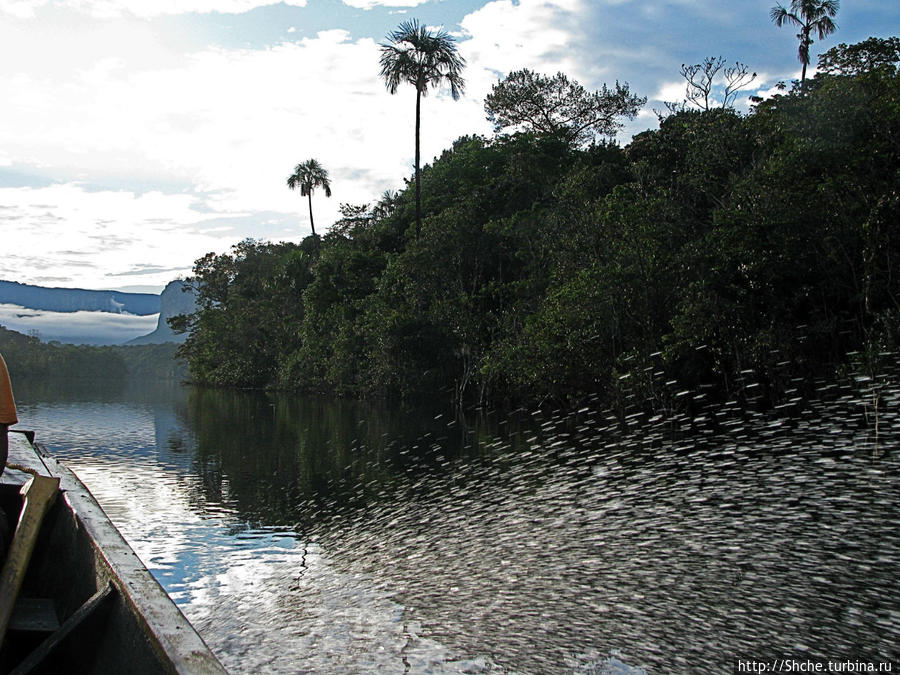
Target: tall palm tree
pixel 811 16
pixel 424 59
pixel 308 176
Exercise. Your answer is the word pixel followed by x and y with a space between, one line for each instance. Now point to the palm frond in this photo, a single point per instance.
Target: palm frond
pixel 308 176
pixel 779 15
pixel 812 17
pixel 422 58
pixel 825 27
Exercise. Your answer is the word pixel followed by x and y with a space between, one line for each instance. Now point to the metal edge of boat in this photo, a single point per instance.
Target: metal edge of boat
pixel 79 554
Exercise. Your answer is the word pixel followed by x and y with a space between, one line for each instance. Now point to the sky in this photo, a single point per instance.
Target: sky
pixel 138 135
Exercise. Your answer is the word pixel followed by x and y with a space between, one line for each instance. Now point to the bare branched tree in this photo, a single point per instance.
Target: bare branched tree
pixel 710 80
pixel 701 82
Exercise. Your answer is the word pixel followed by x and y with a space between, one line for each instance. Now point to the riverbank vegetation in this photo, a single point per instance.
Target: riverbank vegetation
pixel 29 358
pixel 720 249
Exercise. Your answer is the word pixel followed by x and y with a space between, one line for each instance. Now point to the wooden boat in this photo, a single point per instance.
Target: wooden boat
pixel 86 604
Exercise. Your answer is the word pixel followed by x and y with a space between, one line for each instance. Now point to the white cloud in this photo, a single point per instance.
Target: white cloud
pixel 105 239
pixel 671 91
pixel 547 36
pixel 222 129
pixel 369 4
pixel 219 130
pixel 99 328
pixel 105 9
pixel 159 146
pixel 21 9
pixel 504 36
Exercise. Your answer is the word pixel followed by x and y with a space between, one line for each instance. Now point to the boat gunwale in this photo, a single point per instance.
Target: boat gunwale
pixel 169 633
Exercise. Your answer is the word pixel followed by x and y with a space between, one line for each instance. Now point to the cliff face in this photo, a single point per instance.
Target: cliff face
pixel 77 299
pixel 173 300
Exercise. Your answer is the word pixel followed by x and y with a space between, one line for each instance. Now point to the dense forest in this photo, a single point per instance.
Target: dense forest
pixel 29 358
pixel 719 249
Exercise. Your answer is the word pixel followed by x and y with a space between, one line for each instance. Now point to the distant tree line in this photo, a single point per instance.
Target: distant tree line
pixel 720 247
pixel 29 358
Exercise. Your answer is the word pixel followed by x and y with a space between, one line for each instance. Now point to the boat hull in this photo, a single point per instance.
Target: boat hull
pixel 134 628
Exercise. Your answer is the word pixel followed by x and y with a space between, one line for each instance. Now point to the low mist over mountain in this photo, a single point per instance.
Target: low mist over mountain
pixel 80 316
pixel 77 299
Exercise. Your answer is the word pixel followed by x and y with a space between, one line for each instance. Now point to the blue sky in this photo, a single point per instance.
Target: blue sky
pixel 137 135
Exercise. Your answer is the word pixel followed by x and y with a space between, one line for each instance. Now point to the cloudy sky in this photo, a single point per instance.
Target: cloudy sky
pixel 137 135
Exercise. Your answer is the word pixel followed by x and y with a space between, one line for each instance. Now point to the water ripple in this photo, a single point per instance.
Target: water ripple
pixel 538 543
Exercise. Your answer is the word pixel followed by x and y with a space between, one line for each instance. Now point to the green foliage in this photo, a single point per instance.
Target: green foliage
pixel 29 358
pixel 417 56
pixel 249 304
pixel 717 245
pixel 308 176
pixel 558 107
pixel 873 54
pixel 424 59
pixel 810 17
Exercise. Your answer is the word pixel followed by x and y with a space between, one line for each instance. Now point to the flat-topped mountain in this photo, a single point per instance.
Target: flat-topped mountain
pixel 80 316
pixel 176 298
pixel 77 299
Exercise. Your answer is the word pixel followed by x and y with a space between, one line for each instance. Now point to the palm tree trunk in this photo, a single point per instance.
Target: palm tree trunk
pixel 805 42
pixel 311 223
pixel 418 186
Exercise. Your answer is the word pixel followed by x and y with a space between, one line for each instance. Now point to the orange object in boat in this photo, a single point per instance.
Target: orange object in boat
pixel 7 402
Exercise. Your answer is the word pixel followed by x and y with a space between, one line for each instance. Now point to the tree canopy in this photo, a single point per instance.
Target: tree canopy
pixel 44 362
pixel 717 250
pixel 559 107
pixel 308 176
pixel 424 59
pixel 811 17
pixel 873 54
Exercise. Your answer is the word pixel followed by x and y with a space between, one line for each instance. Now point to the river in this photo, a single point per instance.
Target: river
pixel 307 535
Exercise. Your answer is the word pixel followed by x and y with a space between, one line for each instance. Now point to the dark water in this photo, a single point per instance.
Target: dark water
pixel 322 536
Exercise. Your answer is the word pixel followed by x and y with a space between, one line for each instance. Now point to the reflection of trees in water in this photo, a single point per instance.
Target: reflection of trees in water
pixel 281 459
pixel 779 530
pixel 544 541
pixel 97 390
